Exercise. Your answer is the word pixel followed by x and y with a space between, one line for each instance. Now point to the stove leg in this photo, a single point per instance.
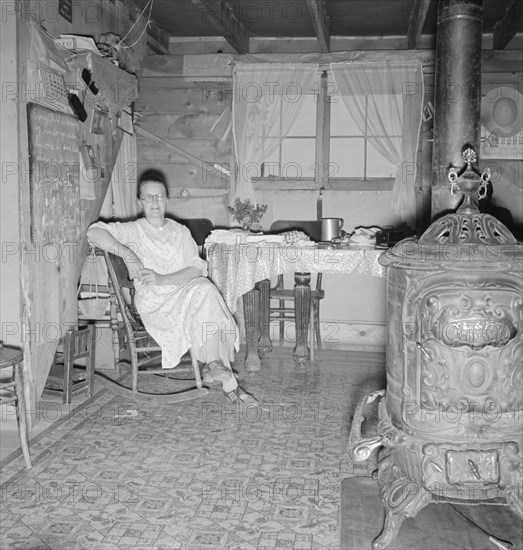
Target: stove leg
pixel 401 497
pixel 515 500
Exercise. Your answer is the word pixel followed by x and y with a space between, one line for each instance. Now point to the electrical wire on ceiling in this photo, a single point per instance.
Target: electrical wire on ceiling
pixel 121 44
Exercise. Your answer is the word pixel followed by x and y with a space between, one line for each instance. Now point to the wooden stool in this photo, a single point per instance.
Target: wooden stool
pixel 76 344
pixel 11 357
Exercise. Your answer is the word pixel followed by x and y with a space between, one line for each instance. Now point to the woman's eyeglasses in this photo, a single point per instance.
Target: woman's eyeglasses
pixel 153 198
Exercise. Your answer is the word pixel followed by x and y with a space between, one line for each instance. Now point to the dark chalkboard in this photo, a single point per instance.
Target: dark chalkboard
pixel 53 175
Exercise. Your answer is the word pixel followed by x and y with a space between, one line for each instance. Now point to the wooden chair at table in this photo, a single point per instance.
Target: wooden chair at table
pixel 200 229
pixel 12 391
pixel 278 292
pixel 143 351
pixel 65 378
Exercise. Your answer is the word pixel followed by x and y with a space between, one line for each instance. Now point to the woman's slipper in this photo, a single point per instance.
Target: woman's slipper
pixel 240 396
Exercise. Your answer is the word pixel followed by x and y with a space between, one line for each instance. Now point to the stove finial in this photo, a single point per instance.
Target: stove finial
pixel 469 181
pixel 467 225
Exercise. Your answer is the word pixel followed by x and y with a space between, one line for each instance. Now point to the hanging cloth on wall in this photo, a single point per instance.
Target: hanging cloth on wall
pixel 123 180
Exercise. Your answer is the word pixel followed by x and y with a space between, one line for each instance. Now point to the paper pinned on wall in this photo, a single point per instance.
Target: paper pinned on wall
pixel 45 50
pixel 77 42
pixel 90 176
pixel 125 122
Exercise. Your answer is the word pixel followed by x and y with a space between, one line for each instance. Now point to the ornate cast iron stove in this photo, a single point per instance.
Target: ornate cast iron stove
pixel 450 421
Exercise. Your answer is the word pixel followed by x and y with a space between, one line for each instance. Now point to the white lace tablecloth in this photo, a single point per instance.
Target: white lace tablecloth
pixel 236 268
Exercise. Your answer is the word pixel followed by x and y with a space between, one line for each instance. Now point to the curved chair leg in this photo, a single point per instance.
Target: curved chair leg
pixel 68 366
pixel 282 323
pixel 134 393
pixel 312 320
pixel 21 413
pixel 317 323
pixel 196 369
pixel 134 366
pixel 115 336
pixel 90 366
pixel 176 397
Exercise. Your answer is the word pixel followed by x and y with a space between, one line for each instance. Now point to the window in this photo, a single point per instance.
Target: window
pixel 294 157
pixel 325 135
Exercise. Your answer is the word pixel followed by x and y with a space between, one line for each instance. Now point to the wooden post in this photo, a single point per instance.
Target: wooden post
pixel 321 174
pixel 457 93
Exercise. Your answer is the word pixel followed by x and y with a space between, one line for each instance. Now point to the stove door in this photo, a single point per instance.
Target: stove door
pixel 463 362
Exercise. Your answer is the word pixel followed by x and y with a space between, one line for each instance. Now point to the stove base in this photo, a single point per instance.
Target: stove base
pixel 439 525
pixel 403 497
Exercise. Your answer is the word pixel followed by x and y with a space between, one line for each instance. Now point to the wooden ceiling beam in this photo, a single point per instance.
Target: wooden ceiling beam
pixel 221 15
pixel 321 23
pixel 417 20
pixel 507 27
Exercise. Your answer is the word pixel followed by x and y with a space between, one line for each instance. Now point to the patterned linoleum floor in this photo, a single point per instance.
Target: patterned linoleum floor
pixel 200 475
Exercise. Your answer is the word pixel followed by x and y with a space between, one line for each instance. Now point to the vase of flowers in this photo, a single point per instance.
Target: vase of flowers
pixel 247 214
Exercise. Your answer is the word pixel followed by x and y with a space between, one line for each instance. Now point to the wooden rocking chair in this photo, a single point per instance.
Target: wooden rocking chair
pixel 140 346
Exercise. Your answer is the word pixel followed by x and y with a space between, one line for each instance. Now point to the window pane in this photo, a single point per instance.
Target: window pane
pixel 388 113
pixel 378 166
pixel 347 158
pixel 271 163
pixel 297 157
pixel 342 124
pixel 305 124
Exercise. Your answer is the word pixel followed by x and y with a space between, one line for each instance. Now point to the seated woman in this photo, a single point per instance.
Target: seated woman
pixel 179 306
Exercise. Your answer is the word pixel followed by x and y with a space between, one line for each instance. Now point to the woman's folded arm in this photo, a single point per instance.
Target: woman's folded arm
pixel 102 238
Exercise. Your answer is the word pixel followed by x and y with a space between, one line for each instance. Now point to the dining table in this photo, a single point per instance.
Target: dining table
pixel 244 269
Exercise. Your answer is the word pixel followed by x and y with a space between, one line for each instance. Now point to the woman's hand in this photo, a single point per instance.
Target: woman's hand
pixel 178 278
pixel 134 266
pixel 150 277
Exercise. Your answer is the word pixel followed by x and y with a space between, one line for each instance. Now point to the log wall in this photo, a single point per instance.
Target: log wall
pixel 182 113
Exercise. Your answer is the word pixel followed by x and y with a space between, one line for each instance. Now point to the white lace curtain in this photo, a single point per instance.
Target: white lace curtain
pixel 400 85
pixel 267 99
pixel 120 201
pixel 124 179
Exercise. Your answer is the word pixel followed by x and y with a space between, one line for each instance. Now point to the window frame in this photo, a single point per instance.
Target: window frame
pixel 322 151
